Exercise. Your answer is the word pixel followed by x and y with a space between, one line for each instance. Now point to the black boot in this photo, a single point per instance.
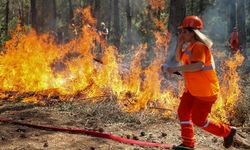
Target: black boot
pixel 182 147
pixel 228 141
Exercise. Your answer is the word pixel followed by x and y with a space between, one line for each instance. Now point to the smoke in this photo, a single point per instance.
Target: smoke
pixel 171 51
pixel 215 21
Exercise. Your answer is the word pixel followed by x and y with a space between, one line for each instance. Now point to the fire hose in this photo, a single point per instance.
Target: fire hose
pixel 88 132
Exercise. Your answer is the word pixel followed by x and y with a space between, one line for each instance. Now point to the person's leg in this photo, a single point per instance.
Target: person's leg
pixel 201 109
pixel 184 113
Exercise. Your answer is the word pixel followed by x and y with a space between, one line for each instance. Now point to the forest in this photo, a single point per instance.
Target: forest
pixel 125 19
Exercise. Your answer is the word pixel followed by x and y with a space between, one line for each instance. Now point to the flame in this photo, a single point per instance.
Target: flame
pixel 157 4
pixel 35 63
pixel 230 90
pixel 32 63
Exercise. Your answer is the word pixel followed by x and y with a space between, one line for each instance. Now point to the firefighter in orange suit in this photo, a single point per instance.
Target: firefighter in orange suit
pixel 201 85
pixel 234 41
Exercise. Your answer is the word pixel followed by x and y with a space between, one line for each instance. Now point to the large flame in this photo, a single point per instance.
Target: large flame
pixel 230 90
pixel 35 64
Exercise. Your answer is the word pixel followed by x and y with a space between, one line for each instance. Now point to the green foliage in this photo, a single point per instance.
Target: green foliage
pixel 3 36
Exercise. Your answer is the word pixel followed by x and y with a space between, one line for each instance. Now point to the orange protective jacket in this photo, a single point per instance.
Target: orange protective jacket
pixel 203 83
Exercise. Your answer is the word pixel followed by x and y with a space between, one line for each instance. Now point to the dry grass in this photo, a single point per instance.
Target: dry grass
pixel 108 111
pixel 242 107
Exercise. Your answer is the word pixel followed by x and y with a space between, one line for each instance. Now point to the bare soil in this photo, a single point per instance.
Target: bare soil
pixel 103 115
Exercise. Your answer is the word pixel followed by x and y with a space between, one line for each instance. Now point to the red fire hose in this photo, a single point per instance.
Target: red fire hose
pixel 89 132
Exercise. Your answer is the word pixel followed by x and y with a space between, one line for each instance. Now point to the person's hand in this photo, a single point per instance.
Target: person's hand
pixel 164 68
pixel 171 70
pixel 181 39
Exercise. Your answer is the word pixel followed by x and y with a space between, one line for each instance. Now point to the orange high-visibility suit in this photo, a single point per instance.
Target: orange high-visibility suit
pixel 201 92
pixel 234 41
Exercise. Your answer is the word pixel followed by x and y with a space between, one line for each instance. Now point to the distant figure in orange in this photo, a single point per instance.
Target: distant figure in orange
pixel 234 41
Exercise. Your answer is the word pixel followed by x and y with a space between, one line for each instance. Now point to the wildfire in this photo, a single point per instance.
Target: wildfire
pixel 34 65
pixel 230 90
pixel 157 4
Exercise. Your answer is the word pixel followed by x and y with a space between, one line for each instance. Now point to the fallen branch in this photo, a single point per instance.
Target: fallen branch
pixel 166 109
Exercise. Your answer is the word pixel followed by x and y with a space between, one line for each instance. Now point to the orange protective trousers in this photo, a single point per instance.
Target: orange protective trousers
pixel 195 110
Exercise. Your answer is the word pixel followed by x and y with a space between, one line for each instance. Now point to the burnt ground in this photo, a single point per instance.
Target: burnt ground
pixel 103 115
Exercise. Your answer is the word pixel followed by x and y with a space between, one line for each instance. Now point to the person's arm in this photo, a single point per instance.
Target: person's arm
pixel 198 60
pixel 237 37
pixel 194 67
pixel 191 67
pixel 178 53
pixel 231 38
pixel 107 31
pixel 180 43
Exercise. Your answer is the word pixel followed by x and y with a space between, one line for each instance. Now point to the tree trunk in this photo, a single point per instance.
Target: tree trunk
pixel 110 16
pixel 7 17
pixel 33 13
pixel 241 25
pixel 97 10
pixel 192 7
pixel 54 11
pixel 47 15
pixel 177 14
pixel 71 11
pixel 92 5
pixel 201 7
pixel 248 4
pixel 231 15
pixel 116 24
pixel 129 21
pixel 21 12
pixel 248 25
